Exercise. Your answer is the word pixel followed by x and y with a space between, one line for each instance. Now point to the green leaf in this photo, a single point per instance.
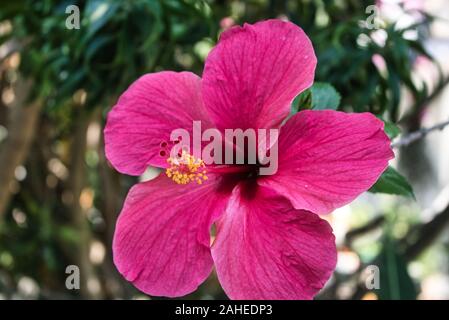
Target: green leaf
pixel 324 97
pixel 395 281
pixel 391 129
pixel 301 102
pixel 98 14
pixel 392 182
pixel 321 96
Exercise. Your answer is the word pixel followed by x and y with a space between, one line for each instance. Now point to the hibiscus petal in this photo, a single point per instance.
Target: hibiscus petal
pixel 162 240
pixel 328 158
pixel 266 249
pixel 146 114
pixel 255 71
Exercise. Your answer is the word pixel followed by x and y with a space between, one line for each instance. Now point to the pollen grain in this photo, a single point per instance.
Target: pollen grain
pixel 186 168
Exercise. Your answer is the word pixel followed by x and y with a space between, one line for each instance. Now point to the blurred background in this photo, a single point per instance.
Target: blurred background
pixel 59 197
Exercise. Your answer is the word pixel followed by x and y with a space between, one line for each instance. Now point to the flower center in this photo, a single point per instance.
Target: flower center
pixel 186 168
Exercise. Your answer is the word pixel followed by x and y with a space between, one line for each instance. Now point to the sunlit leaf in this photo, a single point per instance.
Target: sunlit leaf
pixel 391 130
pixel 392 182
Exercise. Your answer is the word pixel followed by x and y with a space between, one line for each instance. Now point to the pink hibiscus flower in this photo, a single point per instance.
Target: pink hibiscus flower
pixel 270 243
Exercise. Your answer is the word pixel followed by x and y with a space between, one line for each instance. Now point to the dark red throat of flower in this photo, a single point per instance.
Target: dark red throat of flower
pixel 187 168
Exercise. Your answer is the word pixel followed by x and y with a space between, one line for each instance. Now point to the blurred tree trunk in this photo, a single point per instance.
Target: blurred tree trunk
pixel 3 107
pixel 22 124
pixel 89 283
pixel 112 197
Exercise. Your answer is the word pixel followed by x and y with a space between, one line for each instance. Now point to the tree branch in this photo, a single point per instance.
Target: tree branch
pixel 21 132
pixel 371 225
pixel 414 136
pixel 427 233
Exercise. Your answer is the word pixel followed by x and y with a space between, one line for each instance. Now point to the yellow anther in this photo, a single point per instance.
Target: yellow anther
pixel 186 168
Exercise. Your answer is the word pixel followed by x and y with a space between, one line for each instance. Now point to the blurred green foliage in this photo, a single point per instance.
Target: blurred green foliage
pixel 120 40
